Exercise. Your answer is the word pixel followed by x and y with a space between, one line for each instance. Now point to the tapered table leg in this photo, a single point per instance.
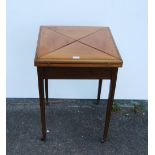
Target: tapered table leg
pixel 46 90
pixel 42 105
pixel 110 102
pixel 99 91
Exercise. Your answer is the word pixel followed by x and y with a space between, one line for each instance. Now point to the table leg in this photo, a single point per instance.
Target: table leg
pixel 109 104
pixel 42 106
pixel 46 90
pixel 99 91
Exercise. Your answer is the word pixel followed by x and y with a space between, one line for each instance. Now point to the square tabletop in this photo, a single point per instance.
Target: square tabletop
pixel 76 46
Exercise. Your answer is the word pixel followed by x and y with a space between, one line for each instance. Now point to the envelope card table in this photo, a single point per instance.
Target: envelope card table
pixel 76 52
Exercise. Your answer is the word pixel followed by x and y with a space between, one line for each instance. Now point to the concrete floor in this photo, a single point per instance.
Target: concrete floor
pixel 75 128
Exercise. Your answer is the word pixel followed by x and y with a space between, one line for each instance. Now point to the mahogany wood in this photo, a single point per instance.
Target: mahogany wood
pixel 110 102
pixel 99 90
pixel 75 73
pixel 92 45
pixel 46 90
pixel 76 53
pixel 42 104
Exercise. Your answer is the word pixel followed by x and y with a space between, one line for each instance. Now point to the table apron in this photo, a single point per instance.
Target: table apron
pixel 75 73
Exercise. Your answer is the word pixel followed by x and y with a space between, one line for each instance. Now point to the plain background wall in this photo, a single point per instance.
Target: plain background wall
pixel 127 20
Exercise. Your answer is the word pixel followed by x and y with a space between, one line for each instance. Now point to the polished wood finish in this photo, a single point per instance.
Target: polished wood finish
pixel 102 41
pixel 110 102
pixel 75 73
pixel 58 46
pixel 75 32
pixel 76 53
pixel 51 41
pixel 42 104
pixel 46 90
pixel 99 90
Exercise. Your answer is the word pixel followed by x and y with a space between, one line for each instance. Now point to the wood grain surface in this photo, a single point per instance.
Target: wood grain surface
pixel 76 45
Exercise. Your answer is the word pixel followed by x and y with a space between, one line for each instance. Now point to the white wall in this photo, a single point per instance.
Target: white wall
pixel 127 20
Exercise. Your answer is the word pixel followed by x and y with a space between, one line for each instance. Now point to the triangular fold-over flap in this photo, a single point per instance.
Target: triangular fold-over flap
pixel 76 32
pixel 103 41
pixel 50 41
pixel 80 51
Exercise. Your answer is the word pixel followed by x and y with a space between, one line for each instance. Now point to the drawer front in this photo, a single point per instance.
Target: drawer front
pixel 75 73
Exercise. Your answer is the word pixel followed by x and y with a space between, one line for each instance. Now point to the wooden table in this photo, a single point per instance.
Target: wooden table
pixel 78 52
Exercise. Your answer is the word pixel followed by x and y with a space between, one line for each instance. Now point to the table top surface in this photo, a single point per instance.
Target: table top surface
pixel 76 46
